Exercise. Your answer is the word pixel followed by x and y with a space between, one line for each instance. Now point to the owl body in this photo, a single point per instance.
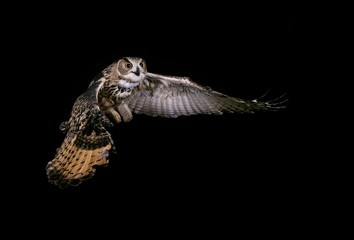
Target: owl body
pixel 123 88
pixel 111 98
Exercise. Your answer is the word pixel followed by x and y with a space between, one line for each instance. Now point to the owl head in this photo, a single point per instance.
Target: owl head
pixel 132 69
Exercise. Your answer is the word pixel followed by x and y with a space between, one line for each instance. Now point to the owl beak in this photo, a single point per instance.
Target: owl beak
pixel 137 72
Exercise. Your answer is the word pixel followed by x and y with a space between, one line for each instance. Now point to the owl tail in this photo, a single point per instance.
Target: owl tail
pixel 77 158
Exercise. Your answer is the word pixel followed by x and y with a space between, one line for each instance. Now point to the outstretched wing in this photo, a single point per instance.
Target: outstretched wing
pixel 169 96
pixel 86 145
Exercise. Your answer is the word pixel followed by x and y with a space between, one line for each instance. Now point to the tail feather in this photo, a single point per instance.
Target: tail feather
pixel 74 164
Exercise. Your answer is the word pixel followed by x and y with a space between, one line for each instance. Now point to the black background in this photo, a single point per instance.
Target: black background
pixel 233 162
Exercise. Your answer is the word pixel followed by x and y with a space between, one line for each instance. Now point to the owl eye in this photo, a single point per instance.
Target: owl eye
pixel 142 64
pixel 128 65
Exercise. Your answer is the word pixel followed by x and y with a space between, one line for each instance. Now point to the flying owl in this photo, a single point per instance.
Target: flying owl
pixel 121 89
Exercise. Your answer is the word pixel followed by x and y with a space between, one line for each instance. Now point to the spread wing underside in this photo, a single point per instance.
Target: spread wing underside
pixel 170 97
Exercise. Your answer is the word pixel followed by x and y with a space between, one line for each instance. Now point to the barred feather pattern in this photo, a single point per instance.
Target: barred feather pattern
pixel 86 145
pixel 170 97
pixel 77 158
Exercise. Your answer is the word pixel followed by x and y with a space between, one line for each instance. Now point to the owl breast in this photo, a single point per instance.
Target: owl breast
pixel 110 100
pixel 113 93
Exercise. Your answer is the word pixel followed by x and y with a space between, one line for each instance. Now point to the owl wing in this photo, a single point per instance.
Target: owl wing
pixel 86 145
pixel 169 96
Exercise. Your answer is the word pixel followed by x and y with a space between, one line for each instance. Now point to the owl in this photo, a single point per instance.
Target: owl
pixel 121 89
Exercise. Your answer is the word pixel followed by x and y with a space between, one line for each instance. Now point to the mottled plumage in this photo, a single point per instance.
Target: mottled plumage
pixel 123 88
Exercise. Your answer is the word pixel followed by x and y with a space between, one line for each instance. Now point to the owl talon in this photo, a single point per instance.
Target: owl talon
pixel 114 115
pixel 125 112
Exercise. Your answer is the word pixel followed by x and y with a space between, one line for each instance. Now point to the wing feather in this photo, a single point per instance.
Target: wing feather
pixel 175 107
pixel 158 103
pixel 86 145
pixel 204 106
pixel 192 102
pixel 187 105
pixel 181 109
pixel 169 105
pixel 163 100
pixel 134 101
pixel 153 106
pixel 147 101
pixel 170 96
pixel 140 102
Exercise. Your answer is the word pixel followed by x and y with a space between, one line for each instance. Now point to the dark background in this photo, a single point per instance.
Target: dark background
pixel 199 161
